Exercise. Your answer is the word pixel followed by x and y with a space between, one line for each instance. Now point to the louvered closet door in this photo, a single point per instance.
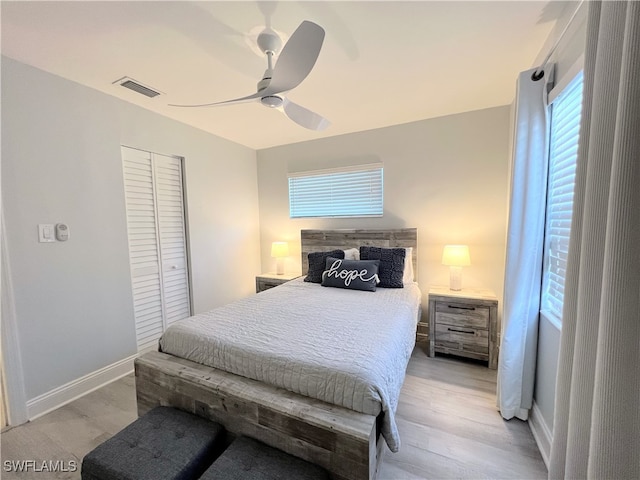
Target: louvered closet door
pixel 157 252
pixel 168 176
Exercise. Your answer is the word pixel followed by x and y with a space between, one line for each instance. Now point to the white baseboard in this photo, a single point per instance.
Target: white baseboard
pixel 541 433
pixel 45 403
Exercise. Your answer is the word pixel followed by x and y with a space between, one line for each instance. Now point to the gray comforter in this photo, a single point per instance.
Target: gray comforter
pixel 345 347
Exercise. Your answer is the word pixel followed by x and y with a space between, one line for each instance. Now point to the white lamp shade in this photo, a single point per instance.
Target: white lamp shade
pixel 456 256
pixel 279 249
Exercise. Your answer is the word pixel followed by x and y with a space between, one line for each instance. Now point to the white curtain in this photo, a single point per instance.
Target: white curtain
pixel 597 413
pixel 525 242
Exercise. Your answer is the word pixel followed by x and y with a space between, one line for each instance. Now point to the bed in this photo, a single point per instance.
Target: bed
pixel 286 367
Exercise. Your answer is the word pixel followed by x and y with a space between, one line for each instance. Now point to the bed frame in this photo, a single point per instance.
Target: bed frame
pixel 347 443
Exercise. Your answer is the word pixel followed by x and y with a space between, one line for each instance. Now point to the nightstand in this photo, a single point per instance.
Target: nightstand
pixel 265 281
pixel 464 323
pixel 422 331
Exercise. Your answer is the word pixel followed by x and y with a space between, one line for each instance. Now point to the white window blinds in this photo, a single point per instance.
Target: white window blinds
pixel 563 152
pixel 346 192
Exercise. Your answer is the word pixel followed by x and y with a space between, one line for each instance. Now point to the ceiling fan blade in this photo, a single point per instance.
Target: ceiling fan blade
pixel 303 117
pixel 248 98
pixel 297 58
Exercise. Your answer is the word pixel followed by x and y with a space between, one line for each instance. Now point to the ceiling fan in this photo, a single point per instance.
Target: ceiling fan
pixel 297 58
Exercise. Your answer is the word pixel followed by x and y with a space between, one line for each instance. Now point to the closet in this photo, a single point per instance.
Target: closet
pixel 157 242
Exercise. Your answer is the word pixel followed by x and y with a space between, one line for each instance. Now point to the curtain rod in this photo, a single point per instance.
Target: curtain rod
pixel 539 72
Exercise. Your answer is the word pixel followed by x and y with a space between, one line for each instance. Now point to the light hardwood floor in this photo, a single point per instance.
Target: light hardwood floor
pixel 448 422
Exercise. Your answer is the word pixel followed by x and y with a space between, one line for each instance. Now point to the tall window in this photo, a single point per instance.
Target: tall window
pixel 563 152
pixel 343 192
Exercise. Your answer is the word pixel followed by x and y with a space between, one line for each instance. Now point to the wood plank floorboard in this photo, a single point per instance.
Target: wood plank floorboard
pixel 448 422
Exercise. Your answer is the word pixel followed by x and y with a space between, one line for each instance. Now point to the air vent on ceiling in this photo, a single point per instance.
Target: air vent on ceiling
pixel 136 86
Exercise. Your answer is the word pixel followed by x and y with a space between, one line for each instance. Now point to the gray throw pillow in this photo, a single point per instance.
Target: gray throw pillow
pixel 352 274
pixel 391 269
pixel 317 262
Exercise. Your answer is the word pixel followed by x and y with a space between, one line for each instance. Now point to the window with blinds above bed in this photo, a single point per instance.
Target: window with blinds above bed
pixel 341 192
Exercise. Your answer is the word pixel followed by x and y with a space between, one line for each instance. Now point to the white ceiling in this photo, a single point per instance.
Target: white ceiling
pixel 382 63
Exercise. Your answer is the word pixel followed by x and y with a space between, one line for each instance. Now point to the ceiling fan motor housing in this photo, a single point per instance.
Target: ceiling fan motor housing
pixel 272 101
pixel 269 41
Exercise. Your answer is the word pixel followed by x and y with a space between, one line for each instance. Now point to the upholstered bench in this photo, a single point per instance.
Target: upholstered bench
pixel 164 444
pixel 248 459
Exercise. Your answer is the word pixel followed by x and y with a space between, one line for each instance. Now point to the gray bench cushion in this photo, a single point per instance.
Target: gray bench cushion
pixel 163 444
pixel 248 459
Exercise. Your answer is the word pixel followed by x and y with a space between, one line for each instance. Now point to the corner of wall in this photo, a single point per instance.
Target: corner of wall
pixel 11 355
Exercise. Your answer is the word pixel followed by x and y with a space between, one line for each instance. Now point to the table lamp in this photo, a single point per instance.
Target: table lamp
pixel 456 257
pixel 279 250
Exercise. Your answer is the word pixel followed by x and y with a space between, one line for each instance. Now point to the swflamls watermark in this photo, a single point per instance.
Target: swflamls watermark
pixel 40 466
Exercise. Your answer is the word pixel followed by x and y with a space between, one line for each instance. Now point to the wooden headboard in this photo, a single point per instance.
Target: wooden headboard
pixel 325 240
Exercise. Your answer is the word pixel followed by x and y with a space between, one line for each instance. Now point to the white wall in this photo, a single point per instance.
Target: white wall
pixel 446 176
pixel 61 163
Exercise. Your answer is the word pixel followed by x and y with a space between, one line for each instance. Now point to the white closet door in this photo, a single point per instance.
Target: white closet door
pixel 155 221
pixel 144 254
pixel 173 252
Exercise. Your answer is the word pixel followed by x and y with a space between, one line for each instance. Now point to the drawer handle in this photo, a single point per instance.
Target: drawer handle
pixel 460 331
pixel 461 308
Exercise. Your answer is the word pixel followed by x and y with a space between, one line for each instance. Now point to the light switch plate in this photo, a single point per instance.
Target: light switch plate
pixel 46 233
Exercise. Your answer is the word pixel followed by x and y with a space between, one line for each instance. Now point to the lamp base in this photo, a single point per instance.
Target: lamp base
pixel 280 266
pixel 455 278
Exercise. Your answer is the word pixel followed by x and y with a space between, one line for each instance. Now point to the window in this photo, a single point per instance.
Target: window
pixel 343 192
pixel 563 151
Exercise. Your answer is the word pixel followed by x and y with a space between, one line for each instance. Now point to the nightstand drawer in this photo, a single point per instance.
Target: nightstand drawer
pixel 462 315
pixel 266 281
pixel 266 285
pixel 454 339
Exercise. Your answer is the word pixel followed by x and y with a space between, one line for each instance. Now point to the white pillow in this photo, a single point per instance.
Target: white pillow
pixel 352 254
pixel 407 276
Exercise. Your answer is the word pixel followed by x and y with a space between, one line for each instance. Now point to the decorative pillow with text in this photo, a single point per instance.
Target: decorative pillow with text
pixel 352 274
